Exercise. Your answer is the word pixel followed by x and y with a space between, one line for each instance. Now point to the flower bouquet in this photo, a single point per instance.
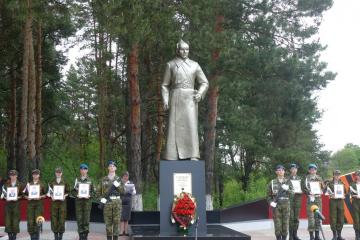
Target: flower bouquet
pixel 183 212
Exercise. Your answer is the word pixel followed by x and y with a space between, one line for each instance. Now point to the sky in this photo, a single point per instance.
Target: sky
pixel 340 31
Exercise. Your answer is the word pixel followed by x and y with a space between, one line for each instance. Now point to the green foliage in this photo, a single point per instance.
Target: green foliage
pixel 346 159
pixel 235 194
pixel 150 197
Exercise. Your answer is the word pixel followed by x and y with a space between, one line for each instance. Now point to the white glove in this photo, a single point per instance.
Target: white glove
pixel 103 200
pixel 285 187
pixel 273 204
pixel 312 198
pixel 116 183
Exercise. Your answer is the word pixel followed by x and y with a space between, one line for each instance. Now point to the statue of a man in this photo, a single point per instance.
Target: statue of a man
pixel 181 98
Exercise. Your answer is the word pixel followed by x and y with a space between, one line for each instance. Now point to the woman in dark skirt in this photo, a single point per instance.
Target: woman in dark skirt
pixel 126 203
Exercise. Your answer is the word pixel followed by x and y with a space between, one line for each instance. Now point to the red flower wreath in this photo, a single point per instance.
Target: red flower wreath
pixel 183 210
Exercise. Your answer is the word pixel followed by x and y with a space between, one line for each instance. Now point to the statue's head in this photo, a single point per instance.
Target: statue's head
pixel 182 49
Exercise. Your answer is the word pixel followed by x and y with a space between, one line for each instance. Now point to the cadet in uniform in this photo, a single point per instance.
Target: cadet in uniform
pixel 12 209
pixel 313 198
pixel 83 203
pixel 109 190
pixel 355 194
pixel 295 203
pixel 336 205
pixel 35 205
pixel 58 206
pixel 278 196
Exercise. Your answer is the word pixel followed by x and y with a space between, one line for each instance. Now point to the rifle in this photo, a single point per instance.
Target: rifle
pixel 107 196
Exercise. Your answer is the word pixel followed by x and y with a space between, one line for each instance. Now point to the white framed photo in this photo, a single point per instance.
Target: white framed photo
pixel 315 188
pixel 339 191
pixel 12 194
pixel 358 190
pixel 84 190
pixel 296 186
pixel 59 192
pixel 34 191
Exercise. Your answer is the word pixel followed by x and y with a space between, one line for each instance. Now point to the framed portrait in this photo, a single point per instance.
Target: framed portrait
pixel 84 190
pixel 59 192
pixel 339 191
pixel 34 191
pixel 315 188
pixel 358 190
pixel 12 194
pixel 296 186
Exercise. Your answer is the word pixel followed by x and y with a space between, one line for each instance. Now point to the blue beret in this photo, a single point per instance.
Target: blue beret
pixel 294 165
pixel 111 162
pixel 312 165
pixel 279 166
pixel 84 166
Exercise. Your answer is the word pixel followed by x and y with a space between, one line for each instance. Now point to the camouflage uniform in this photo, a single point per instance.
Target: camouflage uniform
pixel 313 223
pixel 58 209
pixel 336 210
pixel 295 205
pixel 12 211
pixel 356 209
pixel 276 193
pixel 34 209
pixel 112 208
pixel 83 206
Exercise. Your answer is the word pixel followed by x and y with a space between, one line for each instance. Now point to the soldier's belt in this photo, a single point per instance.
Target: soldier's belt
pixel 283 198
pixel 183 86
pixel 114 197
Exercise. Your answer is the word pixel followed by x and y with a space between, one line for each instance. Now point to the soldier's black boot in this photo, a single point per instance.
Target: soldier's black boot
pixel 81 236
pixel 278 237
pixel 291 234
pixel 56 236
pixel 60 236
pixel 109 237
pixel 283 237
pixel 311 235
pixel 86 236
pixel 115 237
pixel 317 235
pixel 10 235
pixel 334 235
pixel 357 235
pixel 339 237
pixel 14 236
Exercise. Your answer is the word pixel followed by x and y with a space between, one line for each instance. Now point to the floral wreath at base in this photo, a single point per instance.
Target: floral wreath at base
pixel 183 211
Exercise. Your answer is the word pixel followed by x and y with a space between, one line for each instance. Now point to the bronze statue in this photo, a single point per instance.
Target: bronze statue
pixel 181 98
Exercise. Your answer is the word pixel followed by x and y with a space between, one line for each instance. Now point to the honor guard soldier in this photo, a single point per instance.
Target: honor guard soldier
pixel 110 189
pixel 34 191
pixel 11 192
pixel 58 191
pixel 313 188
pixel 278 196
pixel 295 202
pixel 336 190
pixel 355 195
pixel 83 191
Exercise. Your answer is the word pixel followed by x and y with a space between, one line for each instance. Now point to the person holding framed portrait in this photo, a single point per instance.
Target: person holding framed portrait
pixel 35 192
pixel 130 191
pixel 295 202
pixel 337 191
pixel 58 191
pixel 355 195
pixel 313 187
pixel 11 192
pixel 278 194
pixel 84 191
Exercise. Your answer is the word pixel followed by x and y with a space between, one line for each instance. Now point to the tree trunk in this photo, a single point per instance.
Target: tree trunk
pixel 31 104
pixel 38 134
pixel 210 122
pixel 135 125
pixel 21 161
pixel 12 129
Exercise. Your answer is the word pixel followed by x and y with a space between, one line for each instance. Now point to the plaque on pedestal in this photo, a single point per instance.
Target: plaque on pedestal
pixel 175 176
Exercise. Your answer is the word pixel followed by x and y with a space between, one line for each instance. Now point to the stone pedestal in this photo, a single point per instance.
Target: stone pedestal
pixel 167 170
